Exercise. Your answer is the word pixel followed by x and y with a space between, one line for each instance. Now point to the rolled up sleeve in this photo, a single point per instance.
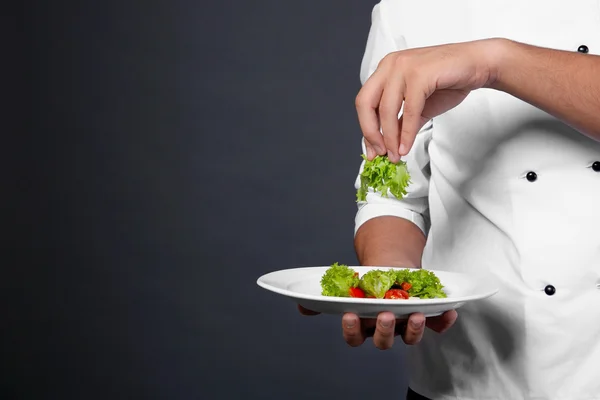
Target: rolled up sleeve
pixel 414 206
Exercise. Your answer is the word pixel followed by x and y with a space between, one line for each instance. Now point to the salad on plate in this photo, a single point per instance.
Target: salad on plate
pixel 339 280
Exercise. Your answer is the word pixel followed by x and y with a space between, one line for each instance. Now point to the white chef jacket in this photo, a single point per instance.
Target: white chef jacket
pixel 501 187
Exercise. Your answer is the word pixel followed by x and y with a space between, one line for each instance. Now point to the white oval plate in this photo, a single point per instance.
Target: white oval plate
pixel 303 285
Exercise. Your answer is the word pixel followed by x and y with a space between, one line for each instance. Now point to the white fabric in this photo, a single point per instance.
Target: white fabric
pixel 480 213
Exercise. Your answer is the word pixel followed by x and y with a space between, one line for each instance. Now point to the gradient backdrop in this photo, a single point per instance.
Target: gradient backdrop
pixel 174 152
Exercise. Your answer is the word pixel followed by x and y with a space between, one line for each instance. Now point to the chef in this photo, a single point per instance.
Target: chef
pixel 500 129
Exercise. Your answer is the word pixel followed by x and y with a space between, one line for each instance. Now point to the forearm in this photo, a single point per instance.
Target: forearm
pixel 564 84
pixel 389 241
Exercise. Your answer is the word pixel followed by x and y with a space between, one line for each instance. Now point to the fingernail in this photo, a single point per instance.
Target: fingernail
pixel 350 324
pixel 402 149
pixel 370 153
pixel 386 324
pixel 417 324
pixel 391 156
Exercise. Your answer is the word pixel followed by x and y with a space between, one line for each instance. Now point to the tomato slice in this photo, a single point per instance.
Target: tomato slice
pixel 406 285
pixel 356 292
pixel 396 294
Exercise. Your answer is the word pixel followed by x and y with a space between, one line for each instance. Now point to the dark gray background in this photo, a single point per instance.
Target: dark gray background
pixel 175 152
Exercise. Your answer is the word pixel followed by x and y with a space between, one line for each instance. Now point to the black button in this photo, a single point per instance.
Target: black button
pixel 550 290
pixel 531 176
pixel 596 166
pixel 583 49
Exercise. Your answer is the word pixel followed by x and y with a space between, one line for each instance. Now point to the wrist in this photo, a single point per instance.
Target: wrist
pixel 496 55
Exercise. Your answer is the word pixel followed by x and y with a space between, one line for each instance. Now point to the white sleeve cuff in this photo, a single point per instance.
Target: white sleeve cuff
pixel 369 211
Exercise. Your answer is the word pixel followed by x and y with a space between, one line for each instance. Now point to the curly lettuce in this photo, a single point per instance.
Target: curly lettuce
pixel 424 284
pixel 376 282
pixel 383 177
pixel 338 279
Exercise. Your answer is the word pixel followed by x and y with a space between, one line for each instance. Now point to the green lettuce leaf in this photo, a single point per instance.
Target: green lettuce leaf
pixel 425 284
pixel 337 280
pixel 384 177
pixel 376 282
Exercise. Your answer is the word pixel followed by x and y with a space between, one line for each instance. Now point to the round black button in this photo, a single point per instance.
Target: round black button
pixel 531 176
pixel 596 166
pixel 583 49
pixel 550 290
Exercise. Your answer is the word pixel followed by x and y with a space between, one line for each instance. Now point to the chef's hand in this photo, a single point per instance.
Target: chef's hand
pixel 427 82
pixel 385 328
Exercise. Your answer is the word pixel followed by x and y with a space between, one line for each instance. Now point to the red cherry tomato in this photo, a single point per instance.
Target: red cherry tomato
pixel 356 292
pixel 406 285
pixel 396 294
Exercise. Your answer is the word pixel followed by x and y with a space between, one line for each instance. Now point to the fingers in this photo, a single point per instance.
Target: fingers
pixel 367 104
pixel 414 329
pixel 379 102
pixel 389 108
pixel 306 311
pixel 370 151
pixel 412 119
pixel 443 322
pixel 354 333
pixel 383 338
pixel 357 330
pixel 386 327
